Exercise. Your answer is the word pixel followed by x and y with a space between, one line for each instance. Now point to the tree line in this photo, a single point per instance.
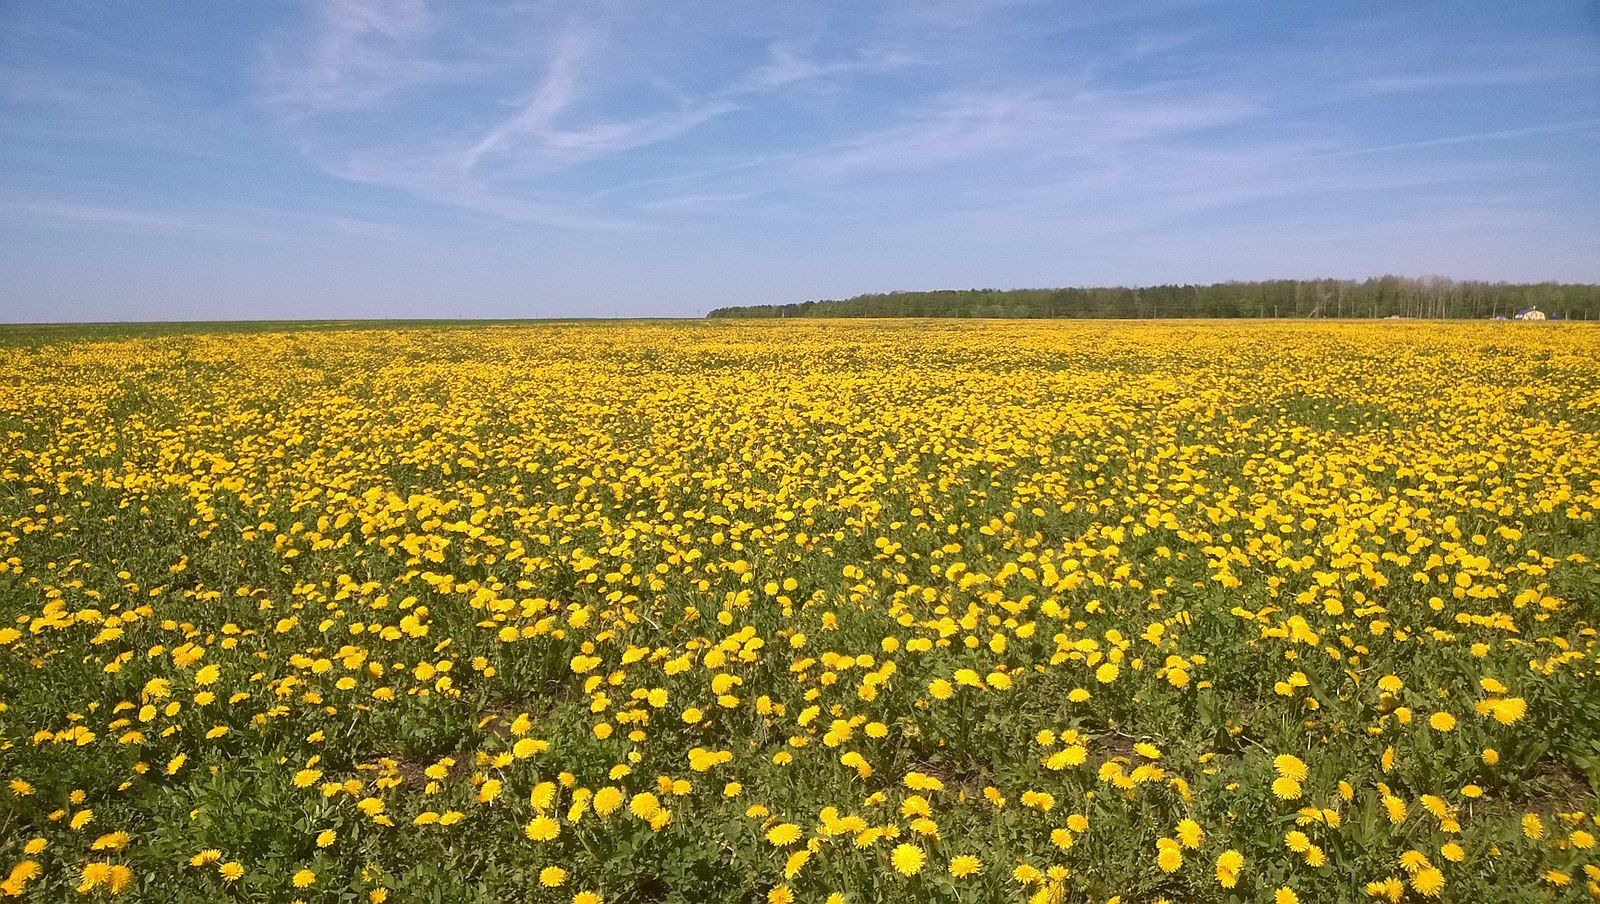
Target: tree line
pixel 1384 296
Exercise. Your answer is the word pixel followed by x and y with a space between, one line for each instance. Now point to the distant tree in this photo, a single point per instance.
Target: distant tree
pixel 1430 296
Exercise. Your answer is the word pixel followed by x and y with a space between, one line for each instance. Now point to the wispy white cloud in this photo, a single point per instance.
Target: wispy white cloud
pixel 236 219
pixel 1576 125
pixel 1157 43
pixel 67 91
pixel 696 202
pixel 995 125
pixel 63 212
pixel 358 52
pixel 785 65
pixel 1472 78
pixel 536 117
pixel 534 137
pixel 363 53
pixel 427 179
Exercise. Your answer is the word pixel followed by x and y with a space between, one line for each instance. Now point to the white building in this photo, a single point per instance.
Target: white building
pixel 1530 314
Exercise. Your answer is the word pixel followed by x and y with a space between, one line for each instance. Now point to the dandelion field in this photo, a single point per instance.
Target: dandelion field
pixel 775 611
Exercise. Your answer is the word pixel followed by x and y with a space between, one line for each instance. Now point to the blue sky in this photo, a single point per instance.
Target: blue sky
pixel 424 158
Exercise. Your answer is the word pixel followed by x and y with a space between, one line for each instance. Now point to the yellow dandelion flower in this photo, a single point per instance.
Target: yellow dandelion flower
pixel 1230 864
pixel 1290 766
pixel 1428 882
pixel 541 829
pixel 907 859
pixel 607 800
pixel 1169 859
pixel 1189 833
pixel 964 865
pixel 644 805
pixel 782 834
pixel 1532 826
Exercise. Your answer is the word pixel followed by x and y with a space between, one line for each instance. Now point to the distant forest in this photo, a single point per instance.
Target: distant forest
pixel 1385 296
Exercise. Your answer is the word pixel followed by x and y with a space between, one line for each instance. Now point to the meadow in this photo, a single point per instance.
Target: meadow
pixel 742 611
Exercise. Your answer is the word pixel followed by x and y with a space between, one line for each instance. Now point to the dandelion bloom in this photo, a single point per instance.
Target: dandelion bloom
pixel 1290 766
pixel 607 800
pixel 644 805
pixel 907 859
pixel 541 828
pixel 1532 826
pixel 965 865
pixel 113 841
pixel 1428 882
pixel 1508 710
pixel 1169 859
pixel 1391 888
pixel 1230 864
pixel 93 875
